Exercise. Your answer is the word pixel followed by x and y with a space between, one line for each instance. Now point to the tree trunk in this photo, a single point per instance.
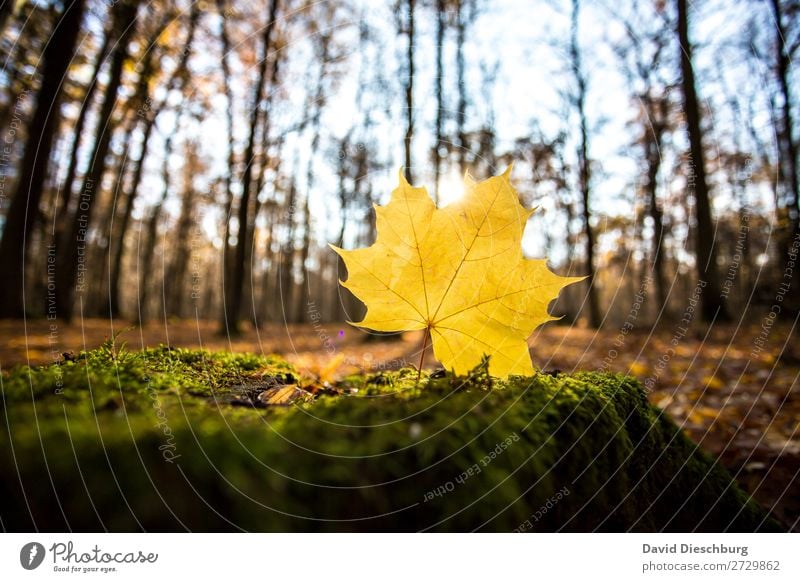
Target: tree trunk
pixel 228 206
pixel 439 138
pixel 713 308
pixel 233 298
pixel 339 312
pixel 70 250
pixel 148 113
pixel 737 172
pixel 102 253
pixel 584 164
pixel 72 168
pixel 318 101
pixel 410 48
pixel 267 303
pixel 657 113
pixel 118 243
pixel 461 108
pixel 151 234
pixel 263 164
pixel 286 286
pixel 6 8
pixel 786 133
pixel 304 288
pixel 788 146
pixel 183 233
pixel 24 206
pixel 304 291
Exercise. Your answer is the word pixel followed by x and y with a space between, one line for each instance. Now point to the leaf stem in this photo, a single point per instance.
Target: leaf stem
pixel 422 353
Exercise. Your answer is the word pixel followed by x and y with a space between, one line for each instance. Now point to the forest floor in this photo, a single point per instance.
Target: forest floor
pixel 735 390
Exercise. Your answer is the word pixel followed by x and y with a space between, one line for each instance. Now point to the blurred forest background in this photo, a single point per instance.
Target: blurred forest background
pixel 194 159
pixel 176 169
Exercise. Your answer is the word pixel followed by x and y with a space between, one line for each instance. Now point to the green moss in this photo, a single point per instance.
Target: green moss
pixel 160 440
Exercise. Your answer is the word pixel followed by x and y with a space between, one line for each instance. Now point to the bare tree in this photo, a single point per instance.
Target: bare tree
pixel 21 214
pixel 146 258
pixel 145 117
pixel 713 308
pixel 462 22
pixel 234 294
pixel 69 181
pixel 323 40
pixel 69 247
pixel 287 254
pixel 406 25
pixel 231 145
pixel 642 54
pixel 578 101
pixel 175 291
pixel 6 8
pixel 441 24
pixel 784 13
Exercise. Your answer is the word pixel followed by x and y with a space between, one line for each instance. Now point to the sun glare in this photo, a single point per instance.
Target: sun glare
pixel 451 189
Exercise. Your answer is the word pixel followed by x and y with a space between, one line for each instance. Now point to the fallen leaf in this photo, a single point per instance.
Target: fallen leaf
pixel 457 272
pixel 283 396
pixel 713 383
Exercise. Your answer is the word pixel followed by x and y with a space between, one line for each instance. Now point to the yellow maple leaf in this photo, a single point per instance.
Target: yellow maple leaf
pixel 458 272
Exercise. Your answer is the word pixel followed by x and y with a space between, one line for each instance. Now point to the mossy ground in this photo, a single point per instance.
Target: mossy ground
pixel 168 439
